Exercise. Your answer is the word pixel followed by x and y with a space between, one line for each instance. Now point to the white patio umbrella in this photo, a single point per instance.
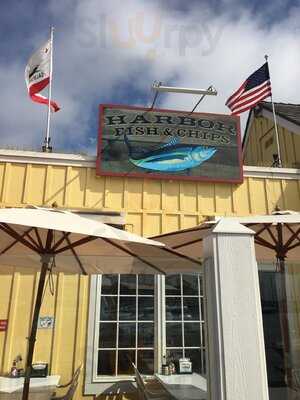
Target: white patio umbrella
pixel 277 234
pixel 48 239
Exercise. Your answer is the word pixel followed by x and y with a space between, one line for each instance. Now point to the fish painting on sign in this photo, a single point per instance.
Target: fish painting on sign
pixel 169 157
pixel 168 144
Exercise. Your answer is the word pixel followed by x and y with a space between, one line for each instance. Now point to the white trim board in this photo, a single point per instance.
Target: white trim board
pixel 35 157
pixel 271 173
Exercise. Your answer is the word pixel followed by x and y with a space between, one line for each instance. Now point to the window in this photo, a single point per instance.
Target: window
pixel 185 319
pixel 125 325
pixel 141 318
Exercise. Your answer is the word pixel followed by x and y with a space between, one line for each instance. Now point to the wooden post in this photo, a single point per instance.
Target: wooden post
pixel 236 352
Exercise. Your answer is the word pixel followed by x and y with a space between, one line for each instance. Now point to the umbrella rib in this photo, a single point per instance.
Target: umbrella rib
pixel 49 240
pixel 11 232
pixel 65 235
pixel 168 249
pixel 131 253
pixel 76 257
pixel 187 243
pixel 195 229
pixel 290 229
pixel 76 244
pixel 272 235
pixel 264 243
pixel 296 237
pixel 261 230
pixel 32 240
pixel 38 236
pixel 13 243
pixel 292 238
pixel 294 245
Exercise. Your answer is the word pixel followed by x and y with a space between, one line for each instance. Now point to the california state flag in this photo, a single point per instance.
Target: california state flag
pixel 37 75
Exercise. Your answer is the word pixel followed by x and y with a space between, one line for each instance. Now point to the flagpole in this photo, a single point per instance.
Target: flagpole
pixel 46 147
pixel 278 162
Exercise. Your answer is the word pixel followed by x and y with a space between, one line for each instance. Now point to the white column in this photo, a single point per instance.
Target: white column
pixel 236 352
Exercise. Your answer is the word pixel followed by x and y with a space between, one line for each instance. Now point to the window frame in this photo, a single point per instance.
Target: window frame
pixel 95 384
pixel 201 299
pixel 97 321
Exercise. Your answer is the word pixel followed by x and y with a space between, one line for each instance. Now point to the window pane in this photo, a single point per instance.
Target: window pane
pixel 191 308
pixel 146 284
pixel 125 358
pixel 127 308
pixel 106 362
pixel 146 308
pixel 107 335
pixel 172 284
pixel 127 334
pixel 273 331
pixel 127 284
pixel 174 355
pixel 182 299
pixel 192 334
pixel 109 284
pixel 108 308
pixel 146 335
pixel 145 362
pixel 190 285
pixel 174 334
pixel 195 357
pixel 173 308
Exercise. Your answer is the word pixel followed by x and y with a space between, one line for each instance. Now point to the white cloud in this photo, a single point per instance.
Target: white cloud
pixel 105 47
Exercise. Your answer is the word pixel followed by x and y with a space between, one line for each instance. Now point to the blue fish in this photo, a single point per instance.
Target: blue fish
pixel 169 157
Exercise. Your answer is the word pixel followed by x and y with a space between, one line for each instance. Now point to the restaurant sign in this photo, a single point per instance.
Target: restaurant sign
pixel 168 144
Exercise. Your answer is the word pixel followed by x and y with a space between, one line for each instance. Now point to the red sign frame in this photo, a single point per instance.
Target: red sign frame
pixel 165 176
pixel 3 325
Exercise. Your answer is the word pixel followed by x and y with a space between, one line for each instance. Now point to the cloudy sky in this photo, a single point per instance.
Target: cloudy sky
pixel 112 51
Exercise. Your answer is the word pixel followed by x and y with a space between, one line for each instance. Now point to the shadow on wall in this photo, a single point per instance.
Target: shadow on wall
pixel 119 391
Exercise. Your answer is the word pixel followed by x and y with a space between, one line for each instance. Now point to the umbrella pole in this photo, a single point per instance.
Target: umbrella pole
pixel 32 338
pixel 284 320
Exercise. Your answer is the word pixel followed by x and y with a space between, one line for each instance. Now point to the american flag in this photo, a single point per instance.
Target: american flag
pixel 256 88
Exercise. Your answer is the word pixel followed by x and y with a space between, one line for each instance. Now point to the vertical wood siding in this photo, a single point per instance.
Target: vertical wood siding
pixel 151 206
pixel 259 151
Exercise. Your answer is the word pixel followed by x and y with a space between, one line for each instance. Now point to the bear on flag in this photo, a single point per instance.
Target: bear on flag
pixel 38 75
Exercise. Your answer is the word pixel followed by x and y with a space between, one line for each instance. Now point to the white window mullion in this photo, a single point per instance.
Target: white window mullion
pixel 159 322
pixel 182 317
pixel 118 318
pixel 136 319
pixel 201 317
pixel 97 326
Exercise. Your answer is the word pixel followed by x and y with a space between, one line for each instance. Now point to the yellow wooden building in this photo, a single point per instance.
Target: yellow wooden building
pixel 148 207
pixel 259 141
